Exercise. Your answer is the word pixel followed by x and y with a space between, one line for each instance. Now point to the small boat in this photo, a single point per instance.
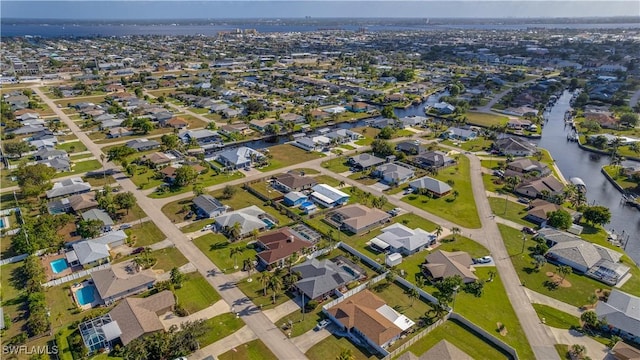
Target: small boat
pixel 579 183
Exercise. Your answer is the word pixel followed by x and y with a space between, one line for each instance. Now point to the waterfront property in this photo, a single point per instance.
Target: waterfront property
pixel 622 313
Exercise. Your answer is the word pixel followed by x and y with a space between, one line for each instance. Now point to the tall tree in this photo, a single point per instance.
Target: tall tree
pixel 34 179
pixel 125 200
pixel 185 175
pixel 16 148
pixel 90 228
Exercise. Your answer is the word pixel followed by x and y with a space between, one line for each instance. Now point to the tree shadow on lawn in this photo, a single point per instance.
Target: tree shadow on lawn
pixel 219 245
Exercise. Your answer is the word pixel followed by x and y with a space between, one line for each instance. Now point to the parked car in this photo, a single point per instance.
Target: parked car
pixel 125 226
pixel 499 173
pixel 322 324
pixel 523 200
pixel 408 191
pixel 207 227
pixel 483 260
pixel 137 250
pixel 528 230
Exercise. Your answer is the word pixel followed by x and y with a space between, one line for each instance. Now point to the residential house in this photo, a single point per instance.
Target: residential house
pixel 527 168
pixel 101 215
pixel 315 143
pixel 384 122
pixel 293 181
pixel 539 208
pixel 443 264
pixel 413 121
pixel 514 146
pixel 206 206
pixel 518 124
pixel 341 136
pixel 359 107
pixel 170 172
pixel 137 317
pixel 261 125
pixel 28 129
pixel 544 187
pixel 241 129
pixel 520 111
pixel 398 238
pixel 67 187
pixel 443 350
pixel 621 312
pixel 118 132
pixel 249 219
pixel 159 159
pixel 455 133
pixel 59 164
pixel 444 108
pixel 295 118
pixel 357 218
pixel 176 123
pixel 295 198
pixel 328 196
pixel 277 246
pixel 320 278
pixel 202 136
pixel 88 254
pixel 412 147
pixel 623 351
pixel 49 154
pixel 238 158
pixel 395 173
pixel 75 203
pixel 433 159
pixel 368 317
pixel 142 144
pixel 365 161
pixel 113 286
pixel 433 186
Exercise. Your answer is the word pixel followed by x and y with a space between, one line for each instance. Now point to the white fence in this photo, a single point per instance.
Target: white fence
pixel 13 259
pixel 75 276
pixel 414 339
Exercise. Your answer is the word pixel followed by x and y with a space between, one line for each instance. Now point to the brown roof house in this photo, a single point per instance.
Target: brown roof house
pixel 114 286
pixel 444 264
pixel 137 317
pixel 292 181
pixel 443 350
pixel 538 210
pixel 357 218
pixel 279 245
pixel 366 316
pixel 547 186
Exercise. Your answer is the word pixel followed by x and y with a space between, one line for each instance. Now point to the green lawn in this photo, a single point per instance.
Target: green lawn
pixel 196 225
pixel 100 180
pixel 471 145
pixel 253 350
pixel 242 199
pixel 463 338
pixel 76 145
pixel 347 147
pixel 80 157
pixel 220 327
pixel 486 120
pixel 218 249
pixel 493 184
pixel 325 179
pixel 287 154
pixel 144 178
pixel 581 286
pixel 461 210
pixel 168 259
pixel 206 180
pixel 621 179
pixel 337 164
pixel 145 234
pixel 174 210
pixel 369 134
pixel 196 293
pixel 300 325
pixel 556 318
pixel 80 167
pixel 514 211
pixel 330 347
pixel 255 292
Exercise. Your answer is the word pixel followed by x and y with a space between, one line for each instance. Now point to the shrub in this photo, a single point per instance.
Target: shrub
pixel 311 305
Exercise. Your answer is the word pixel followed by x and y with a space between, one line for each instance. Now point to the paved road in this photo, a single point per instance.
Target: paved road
pixel 273 338
pixel 500 95
pixel 634 99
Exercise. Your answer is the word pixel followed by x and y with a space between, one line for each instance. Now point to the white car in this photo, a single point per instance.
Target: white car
pixel 322 324
pixel 207 227
pixel 483 260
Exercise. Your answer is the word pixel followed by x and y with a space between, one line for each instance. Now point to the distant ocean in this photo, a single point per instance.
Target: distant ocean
pixel 84 30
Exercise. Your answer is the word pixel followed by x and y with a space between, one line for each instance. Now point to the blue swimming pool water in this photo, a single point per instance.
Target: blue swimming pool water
pixel 59 265
pixel 85 295
pixel 270 224
pixel 306 204
pixel 2 223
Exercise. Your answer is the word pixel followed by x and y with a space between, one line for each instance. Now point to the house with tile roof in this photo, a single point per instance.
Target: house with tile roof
pixel 357 218
pixel 293 181
pixel 622 312
pixel 398 238
pixel 433 186
pixel 540 188
pixel 277 246
pixel 114 286
pixel 320 278
pixel 443 264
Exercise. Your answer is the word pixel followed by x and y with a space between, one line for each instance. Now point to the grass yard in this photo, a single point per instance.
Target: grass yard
pixel 168 259
pixel 556 318
pixel 92 99
pixel 254 290
pixel 220 327
pixel 80 167
pixel 218 249
pixel 253 350
pixel 325 179
pixel 72 147
pixel 79 157
pixel 145 178
pixel 175 210
pixel 486 120
pixel 330 347
pixel 471 145
pixel 206 180
pixel 100 180
pixel 514 211
pixel 461 210
pixel 581 286
pixel 286 154
pixel 490 184
pixel 196 294
pixel 337 164
pixel 196 225
pixel 369 134
pixel 347 147
pixel 145 234
pixel 621 179
pixel 242 199
pixel 301 326
pixel 194 122
pixel 462 337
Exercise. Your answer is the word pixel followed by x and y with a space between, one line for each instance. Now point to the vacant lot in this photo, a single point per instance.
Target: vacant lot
pixel 253 350
pixel 218 250
pixel 196 293
pixel 486 120
pixel 285 155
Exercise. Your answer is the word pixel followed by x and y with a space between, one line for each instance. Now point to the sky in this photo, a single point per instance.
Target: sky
pixel 215 9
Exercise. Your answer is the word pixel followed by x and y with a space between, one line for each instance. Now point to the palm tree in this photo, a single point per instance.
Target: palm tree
pixel 341 184
pixel 249 266
pixel 455 231
pixel 234 254
pixel 413 294
pixel 234 231
pixel 455 194
pixel 265 279
pixel 563 270
pixel 276 285
pixel 345 354
pixel 438 231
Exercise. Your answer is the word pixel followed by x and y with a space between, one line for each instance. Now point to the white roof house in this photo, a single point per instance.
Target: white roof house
pixel 68 187
pixel 328 196
pixel 249 219
pixel 404 240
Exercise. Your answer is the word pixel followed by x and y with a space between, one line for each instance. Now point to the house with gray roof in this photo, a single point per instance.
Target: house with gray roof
pixel 59 164
pixel 88 254
pixel 249 218
pixel 142 144
pixel 28 129
pixel 101 215
pixel 207 206
pixel 433 186
pixel 443 350
pixel 320 278
pixel 394 173
pixel 239 158
pixel 514 146
pixel 365 161
pixel 202 136
pixel 622 312
pixel 433 159
pixel 398 238
pixel 455 133
pixel 114 286
pixel 67 187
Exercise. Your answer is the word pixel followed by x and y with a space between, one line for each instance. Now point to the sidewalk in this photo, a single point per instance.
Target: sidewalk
pixel 281 311
pixel 538 298
pixel 220 307
pixel 306 341
pixel 595 350
pixel 244 335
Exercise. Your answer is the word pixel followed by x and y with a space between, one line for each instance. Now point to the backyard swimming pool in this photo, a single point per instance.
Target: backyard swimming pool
pixel 58 266
pixel 85 295
pixel 270 224
pixel 2 225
